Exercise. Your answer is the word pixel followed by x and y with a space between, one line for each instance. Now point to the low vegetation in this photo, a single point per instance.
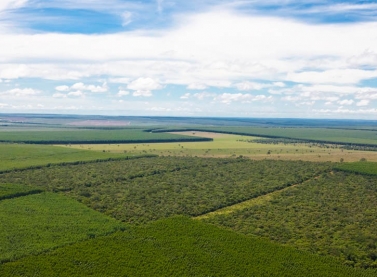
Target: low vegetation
pixel 178 247
pixel 8 191
pixel 20 156
pixel 363 167
pixel 35 223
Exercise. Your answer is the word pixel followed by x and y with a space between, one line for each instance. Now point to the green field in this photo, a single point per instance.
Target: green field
pixel 325 135
pixel 35 223
pixel 226 145
pixel 8 191
pixel 178 247
pixel 368 168
pixel 18 156
pixel 145 189
pixel 76 136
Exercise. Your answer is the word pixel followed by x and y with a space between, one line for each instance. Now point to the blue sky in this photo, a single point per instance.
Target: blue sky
pixel 238 58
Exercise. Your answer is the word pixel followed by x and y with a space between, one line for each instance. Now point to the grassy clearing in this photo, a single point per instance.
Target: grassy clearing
pixel 367 168
pixel 178 247
pixel 35 223
pixel 245 204
pixel 18 156
pixel 225 145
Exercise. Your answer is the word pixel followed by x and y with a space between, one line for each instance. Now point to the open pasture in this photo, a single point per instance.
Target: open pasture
pixel 19 156
pixel 227 145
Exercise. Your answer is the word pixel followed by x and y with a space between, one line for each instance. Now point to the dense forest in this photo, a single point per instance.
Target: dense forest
pixel 145 189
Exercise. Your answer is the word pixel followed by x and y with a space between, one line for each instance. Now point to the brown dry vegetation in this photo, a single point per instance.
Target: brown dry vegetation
pixel 226 145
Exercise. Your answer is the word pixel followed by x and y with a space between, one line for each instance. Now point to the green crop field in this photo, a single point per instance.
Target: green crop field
pixel 178 247
pixel 35 223
pixel 8 191
pixel 340 136
pixel 151 188
pixel 75 136
pixel 18 156
pixel 330 215
pixel 369 168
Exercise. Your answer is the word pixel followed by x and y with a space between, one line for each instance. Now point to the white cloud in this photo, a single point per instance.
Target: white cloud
pixel 197 86
pixel 127 18
pixel 236 48
pixel 18 92
pixel 342 110
pixel 227 98
pixel 62 88
pixel 144 84
pixel 335 76
pixel 292 98
pixel 143 93
pixel 122 93
pixel 59 95
pixel 119 80
pixel 91 88
pixel 366 93
pixel 77 93
pixel 216 48
pixel 343 8
pixel 362 103
pixel 278 84
pixel 11 4
pixel 204 94
pixel 185 96
pixel 251 86
pixel 366 58
pixel 346 102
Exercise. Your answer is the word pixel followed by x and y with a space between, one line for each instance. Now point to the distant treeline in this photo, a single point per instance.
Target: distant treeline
pixel 19 194
pixel 79 162
pixel 92 136
pixel 108 141
pixel 303 135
